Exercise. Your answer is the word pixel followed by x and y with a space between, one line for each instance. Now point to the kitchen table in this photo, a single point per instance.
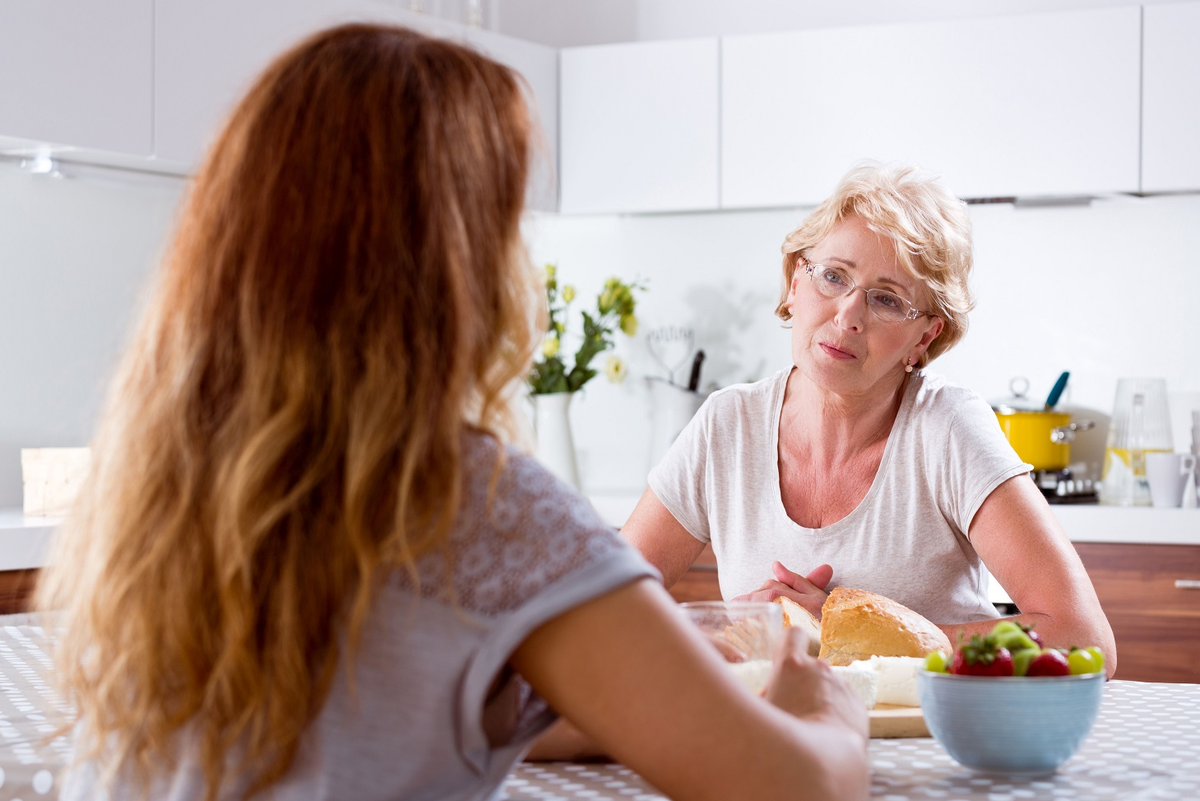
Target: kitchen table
pixel 1145 746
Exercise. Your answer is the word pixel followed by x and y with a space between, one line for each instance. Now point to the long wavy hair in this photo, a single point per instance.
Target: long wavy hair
pixel 346 296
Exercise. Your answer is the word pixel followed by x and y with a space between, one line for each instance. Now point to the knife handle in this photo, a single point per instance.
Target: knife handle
pixel 694 381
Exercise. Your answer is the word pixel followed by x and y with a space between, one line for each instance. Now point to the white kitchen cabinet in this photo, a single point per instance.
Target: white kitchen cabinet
pixel 1171 97
pixel 77 73
pixel 1031 105
pixel 207 55
pixel 639 127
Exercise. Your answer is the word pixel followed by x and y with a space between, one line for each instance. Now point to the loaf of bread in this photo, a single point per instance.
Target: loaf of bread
pixel 856 624
pixel 796 615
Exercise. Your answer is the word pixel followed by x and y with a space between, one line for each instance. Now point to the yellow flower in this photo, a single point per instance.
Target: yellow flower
pixel 629 324
pixel 551 272
pixel 550 347
pixel 615 369
pixel 568 293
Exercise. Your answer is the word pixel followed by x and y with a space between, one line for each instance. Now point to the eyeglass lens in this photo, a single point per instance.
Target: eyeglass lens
pixel 833 283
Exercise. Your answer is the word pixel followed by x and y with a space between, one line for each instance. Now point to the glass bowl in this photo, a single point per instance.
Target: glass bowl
pixel 745 633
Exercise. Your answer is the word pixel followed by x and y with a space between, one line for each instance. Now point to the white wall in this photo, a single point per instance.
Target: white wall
pixel 74 256
pixel 1105 291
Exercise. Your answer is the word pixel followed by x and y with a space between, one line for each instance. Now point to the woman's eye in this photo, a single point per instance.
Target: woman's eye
pixel 834 277
pixel 887 299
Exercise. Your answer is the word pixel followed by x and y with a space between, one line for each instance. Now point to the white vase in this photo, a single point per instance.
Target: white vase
pixel 555 447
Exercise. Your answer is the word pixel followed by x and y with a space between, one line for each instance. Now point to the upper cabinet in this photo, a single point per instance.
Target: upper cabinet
pixel 639 127
pixel 1074 103
pixel 77 73
pixel 207 54
pixel 1033 105
pixel 1171 98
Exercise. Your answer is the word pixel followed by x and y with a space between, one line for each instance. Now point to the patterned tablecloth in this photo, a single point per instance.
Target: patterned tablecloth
pixel 1145 745
pixel 30 712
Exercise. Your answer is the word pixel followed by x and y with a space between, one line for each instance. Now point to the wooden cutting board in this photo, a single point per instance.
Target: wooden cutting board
pixel 898 721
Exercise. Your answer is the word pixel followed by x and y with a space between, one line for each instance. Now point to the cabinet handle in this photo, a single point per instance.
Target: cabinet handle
pixel 1187 584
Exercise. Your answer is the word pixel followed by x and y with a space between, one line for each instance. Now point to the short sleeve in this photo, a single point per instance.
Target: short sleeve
pixel 978 459
pixel 619 566
pixel 679 480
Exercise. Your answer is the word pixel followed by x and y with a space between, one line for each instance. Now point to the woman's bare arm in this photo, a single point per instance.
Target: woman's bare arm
pixel 661 539
pixel 656 696
pixel 1025 549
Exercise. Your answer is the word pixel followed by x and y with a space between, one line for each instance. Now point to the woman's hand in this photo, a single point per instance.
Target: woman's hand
pixel 807 688
pixel 808 591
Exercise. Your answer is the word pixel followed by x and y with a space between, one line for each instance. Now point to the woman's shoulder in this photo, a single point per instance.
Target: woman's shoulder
pixel 934 395
pixel 521 529
pixel 765 391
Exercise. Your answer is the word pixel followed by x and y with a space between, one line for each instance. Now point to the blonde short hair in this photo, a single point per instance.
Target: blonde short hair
pixel 927 223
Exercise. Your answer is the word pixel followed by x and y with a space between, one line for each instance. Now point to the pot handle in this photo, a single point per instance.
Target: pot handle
pixel 1067 433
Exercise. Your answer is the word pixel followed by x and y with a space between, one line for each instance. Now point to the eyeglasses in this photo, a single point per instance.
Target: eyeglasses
pixel 834 283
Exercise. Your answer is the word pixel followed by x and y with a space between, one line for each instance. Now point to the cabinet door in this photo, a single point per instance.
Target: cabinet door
pixel 1171 98
pixel 1029 105
pixel 639 127
pixel 78 73
pixel 207 55
pixel 1151 595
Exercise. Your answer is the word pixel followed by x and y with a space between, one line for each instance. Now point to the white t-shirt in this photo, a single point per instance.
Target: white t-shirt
pixel 907 538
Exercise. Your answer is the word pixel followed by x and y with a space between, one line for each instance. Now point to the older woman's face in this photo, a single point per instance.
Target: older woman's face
pixel 839 342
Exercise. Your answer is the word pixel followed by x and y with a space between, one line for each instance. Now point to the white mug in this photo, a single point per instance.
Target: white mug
pixel 1170 476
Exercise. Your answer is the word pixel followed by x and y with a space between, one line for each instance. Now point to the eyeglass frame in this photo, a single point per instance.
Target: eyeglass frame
pixel 913 312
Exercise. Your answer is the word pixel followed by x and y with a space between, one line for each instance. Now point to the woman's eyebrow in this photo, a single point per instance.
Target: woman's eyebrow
pixel 851 264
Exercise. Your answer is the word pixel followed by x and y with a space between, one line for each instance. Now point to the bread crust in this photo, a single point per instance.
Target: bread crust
pixel 796 615
pixel 856 624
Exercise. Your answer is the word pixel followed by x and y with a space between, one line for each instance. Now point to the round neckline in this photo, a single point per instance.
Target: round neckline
pixel 884 462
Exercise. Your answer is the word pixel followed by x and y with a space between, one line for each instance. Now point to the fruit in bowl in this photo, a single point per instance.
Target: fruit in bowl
pixel 979 702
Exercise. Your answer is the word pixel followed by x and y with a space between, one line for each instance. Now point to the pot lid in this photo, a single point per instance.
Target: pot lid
pixel 1018 401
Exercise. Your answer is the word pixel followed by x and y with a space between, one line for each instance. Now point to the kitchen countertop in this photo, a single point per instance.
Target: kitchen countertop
pixel 24 540
pixel 1144 745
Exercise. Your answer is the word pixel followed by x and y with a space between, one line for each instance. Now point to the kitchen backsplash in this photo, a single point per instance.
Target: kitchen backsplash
pixel 1104 290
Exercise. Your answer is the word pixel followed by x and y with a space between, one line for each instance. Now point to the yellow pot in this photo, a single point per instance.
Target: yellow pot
pixel 1040 438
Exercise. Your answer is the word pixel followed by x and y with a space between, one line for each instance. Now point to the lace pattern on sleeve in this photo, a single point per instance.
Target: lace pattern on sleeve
pixel 534 531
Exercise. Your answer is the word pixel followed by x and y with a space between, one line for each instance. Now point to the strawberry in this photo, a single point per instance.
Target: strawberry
pixel 982 656
pixel 1049 663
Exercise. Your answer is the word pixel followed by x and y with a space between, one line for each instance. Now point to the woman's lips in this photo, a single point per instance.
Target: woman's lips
pixel 836 352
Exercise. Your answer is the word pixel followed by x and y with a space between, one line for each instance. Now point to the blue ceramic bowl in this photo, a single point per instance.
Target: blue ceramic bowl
pixel 1016 726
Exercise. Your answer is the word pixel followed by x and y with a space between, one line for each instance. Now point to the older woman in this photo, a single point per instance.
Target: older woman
pixel 855 466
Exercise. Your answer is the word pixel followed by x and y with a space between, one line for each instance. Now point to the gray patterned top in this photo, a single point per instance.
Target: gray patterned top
pixel 437 714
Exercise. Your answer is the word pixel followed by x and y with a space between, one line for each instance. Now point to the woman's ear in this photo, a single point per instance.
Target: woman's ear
pixel 797 274
pixel 936 325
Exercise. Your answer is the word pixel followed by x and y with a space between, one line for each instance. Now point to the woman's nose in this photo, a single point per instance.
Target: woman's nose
pixel 852 309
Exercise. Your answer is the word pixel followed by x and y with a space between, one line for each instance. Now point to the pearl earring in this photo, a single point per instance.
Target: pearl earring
pixel 908 365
